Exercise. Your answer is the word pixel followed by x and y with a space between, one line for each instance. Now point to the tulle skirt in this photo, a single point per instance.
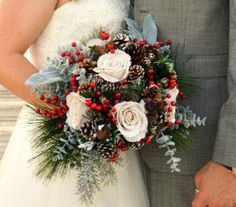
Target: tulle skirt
pixel 20 188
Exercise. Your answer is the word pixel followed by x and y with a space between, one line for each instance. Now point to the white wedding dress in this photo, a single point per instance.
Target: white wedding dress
pixel 74 21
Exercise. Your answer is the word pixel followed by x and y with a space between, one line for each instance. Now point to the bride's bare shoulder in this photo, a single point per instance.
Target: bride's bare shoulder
pixel 22 21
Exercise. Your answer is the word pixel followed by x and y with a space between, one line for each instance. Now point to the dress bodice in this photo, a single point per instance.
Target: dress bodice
pixel 76 20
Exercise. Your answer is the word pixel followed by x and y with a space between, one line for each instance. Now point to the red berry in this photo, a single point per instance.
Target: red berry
pixel 168 95
pixel 148 140
pixel 114 120
pixel 81 58
pixel 182 95
pixel 99 108
pixel 151 83
pixel 121 143
pixel 113 109
pixel 92 84
pixel 165 103
pixel 156 45
pixel 61 115
pixel 49 116
pixel 159 84
pixel 135 39
pixel 48 101
pixel 94 106
pixel 60 125
pixel 170 109
pixel 105 107
pixel 124 149
pixel 67 91
pixel 150 71
pixel 98 93
pixel 104 35
pixel 177 122
pixel 117 95
pixel 37 110
pixel 106 102
pixel 151 77
pixel 68 54
pixel 71 60
pixel 168 42
pixel 45 112
pixel 88 102
pixel 110 46
pixel 63 54
pixel 73 78
pixel 75 89
pixel 143 42
pixel 170 125
pixel 42 97
pixel 116 101
pixel 161 44
pixel 173 103
pixel 113 51
pixel 77 52
pixel 73 44
pixel 112 159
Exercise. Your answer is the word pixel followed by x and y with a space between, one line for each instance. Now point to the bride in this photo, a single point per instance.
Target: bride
pixel 42 26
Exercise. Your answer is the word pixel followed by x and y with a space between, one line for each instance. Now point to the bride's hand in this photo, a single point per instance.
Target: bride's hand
pixel 21 22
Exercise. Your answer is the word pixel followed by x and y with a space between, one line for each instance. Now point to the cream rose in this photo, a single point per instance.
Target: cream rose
pixel 173 96
pixel 114 67
pixel 131 120
pixel 77 110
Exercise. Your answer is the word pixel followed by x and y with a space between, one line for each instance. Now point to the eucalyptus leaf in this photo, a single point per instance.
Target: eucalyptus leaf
pixel 150 32
pixel 47 75
pixel 134 29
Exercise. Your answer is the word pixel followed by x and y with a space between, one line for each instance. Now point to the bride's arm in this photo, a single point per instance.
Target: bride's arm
pixel 21 22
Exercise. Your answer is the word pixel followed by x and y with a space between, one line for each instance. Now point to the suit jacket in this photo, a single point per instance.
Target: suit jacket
pixel 205 32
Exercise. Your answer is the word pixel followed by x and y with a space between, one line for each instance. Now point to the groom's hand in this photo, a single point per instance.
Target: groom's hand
pixel 216 187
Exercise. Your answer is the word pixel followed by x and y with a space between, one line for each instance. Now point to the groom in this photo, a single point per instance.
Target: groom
pixel 205 33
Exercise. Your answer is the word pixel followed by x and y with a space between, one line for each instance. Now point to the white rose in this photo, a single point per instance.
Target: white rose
pixel 131 120
pixel 76 115
pixel 173 93
pixel 114 67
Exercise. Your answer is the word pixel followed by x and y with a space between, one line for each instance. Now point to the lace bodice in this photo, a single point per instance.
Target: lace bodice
pixel 76 21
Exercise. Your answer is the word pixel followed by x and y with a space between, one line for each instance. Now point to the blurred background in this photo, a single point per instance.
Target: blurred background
pixel 10 107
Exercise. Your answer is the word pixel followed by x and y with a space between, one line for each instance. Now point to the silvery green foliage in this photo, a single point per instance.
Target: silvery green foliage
pixel 67 143
pixel 148 32
pixel 47 80
pixel 94 172
pixel 165 142
pixel 188 118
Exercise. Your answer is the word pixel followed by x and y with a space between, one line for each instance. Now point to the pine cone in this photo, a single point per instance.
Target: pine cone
pixel 152 118
pixel 146 61
pixel 137 145
pixel 136 72
pixel 83 88
pixel 103 85
pixel 103 132
pixel 151 56
pixel 88 64
pixel 165 82
pixel 126 95
pixel 107 151
pixel 121 41
pixel 151 107
pixel 88 130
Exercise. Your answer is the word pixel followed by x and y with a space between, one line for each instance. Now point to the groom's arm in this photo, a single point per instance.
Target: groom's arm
pixel 225 146
pixel 215 183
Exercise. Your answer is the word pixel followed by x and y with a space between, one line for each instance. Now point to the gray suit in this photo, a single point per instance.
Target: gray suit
pixel 201 30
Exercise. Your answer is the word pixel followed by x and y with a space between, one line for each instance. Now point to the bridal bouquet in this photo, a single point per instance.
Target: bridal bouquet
pixel 109 95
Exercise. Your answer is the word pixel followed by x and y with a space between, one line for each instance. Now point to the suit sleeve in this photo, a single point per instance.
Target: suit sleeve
pixel 225 145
